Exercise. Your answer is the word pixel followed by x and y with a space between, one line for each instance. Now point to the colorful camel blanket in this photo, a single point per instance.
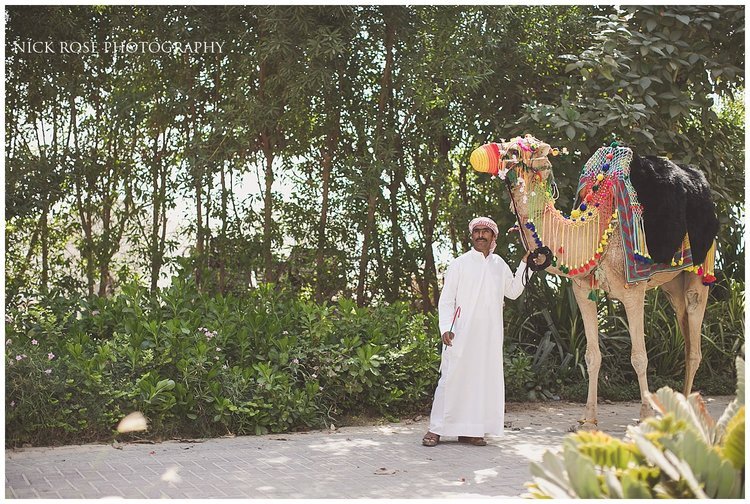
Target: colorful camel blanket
pixel 614 191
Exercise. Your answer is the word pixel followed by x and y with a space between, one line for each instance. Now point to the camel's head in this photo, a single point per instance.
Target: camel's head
pixel 527 153
pixel 524 161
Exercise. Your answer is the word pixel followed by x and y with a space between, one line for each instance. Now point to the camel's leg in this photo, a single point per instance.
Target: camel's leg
pixel 696 298
pixel 675 291
pixel 593 353
pixel 633 304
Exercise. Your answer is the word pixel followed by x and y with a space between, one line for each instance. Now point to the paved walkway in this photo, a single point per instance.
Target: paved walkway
pixel 383 461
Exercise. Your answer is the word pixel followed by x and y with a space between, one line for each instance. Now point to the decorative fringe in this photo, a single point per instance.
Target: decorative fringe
pixel 708 265
pixel 640 248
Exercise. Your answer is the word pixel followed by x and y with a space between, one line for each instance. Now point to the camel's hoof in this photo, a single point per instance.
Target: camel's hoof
pixel 587 425
pixel 646 411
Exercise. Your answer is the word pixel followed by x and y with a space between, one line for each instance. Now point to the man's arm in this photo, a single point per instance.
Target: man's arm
pixel 447 303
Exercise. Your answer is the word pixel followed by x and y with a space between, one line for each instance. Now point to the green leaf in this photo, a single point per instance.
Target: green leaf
pixel 644 82
pixel 734 440
pixel 653 454
pixel 570 131
pixel 634 488
pixel 581 473
pixel 683 19
pixel 651 24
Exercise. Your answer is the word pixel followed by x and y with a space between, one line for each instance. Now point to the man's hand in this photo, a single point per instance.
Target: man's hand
pixel 539 259
pixel 448 338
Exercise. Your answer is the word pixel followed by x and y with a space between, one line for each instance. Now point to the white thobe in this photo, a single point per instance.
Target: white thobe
pixel 470 395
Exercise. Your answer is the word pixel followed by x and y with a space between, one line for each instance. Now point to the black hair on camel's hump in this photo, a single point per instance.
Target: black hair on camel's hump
pixel 676 199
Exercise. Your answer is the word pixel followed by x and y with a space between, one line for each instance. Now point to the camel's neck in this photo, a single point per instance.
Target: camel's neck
pixel 576 241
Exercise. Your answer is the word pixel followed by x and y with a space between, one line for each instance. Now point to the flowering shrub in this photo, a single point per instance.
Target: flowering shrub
pixel 202 365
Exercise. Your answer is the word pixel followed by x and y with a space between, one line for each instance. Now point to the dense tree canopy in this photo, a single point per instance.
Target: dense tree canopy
pixel 326 147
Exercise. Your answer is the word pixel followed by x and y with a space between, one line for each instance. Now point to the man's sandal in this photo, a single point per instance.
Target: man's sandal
pixel 431 439
pixel 475 441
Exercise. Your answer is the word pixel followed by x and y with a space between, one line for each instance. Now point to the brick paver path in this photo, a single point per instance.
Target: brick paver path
pixel 383 461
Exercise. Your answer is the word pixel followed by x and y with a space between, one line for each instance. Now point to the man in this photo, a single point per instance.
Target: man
pixel 470 397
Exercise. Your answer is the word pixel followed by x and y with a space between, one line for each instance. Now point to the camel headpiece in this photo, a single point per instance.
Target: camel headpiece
pixel 498 159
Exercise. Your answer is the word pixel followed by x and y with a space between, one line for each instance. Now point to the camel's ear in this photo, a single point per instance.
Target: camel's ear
pixel 540 159
pixel 542 149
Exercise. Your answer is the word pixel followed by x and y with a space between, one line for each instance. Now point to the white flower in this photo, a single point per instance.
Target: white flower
pixel 50 356
pixel 95 313
pixel 295 361
pixel 218 349
pixel 13 404
pixel 34 342
pixel 314 375
pixel 48 371
pixel 8 341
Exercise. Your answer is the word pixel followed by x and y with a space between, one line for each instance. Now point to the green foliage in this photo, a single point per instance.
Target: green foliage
pixel 193 364
pixel 680 453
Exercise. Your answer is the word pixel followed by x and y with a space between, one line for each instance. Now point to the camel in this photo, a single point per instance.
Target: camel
pixel 573 241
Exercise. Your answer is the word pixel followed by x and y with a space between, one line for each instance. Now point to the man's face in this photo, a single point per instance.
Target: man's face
pixel 482 238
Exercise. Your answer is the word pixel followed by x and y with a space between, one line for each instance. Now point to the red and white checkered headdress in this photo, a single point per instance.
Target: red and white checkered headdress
pixel 485 222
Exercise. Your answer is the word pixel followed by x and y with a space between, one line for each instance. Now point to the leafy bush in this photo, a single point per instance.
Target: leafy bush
pixel 272 360
pixel 194 364
pixel 681 453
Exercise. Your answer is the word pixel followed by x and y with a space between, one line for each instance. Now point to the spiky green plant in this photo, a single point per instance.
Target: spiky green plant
pixel 680 453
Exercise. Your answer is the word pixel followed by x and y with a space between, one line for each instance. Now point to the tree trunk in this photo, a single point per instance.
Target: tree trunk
pixel 155 216
pixel 370 224
pixel 397 176
pixel 385 93
pixel 198 187
pixel 319 254
pixel 223 239
pixel 44 236
pixel 268 209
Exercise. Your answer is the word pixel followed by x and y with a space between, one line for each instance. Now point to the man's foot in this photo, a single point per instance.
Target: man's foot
pixel 430 439
pixel 476 441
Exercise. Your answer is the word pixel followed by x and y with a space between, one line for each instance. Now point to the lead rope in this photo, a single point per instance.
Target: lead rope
pixel 531 263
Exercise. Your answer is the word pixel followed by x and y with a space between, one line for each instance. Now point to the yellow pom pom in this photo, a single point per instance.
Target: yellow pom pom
pixel 575 214
pixel 600 177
